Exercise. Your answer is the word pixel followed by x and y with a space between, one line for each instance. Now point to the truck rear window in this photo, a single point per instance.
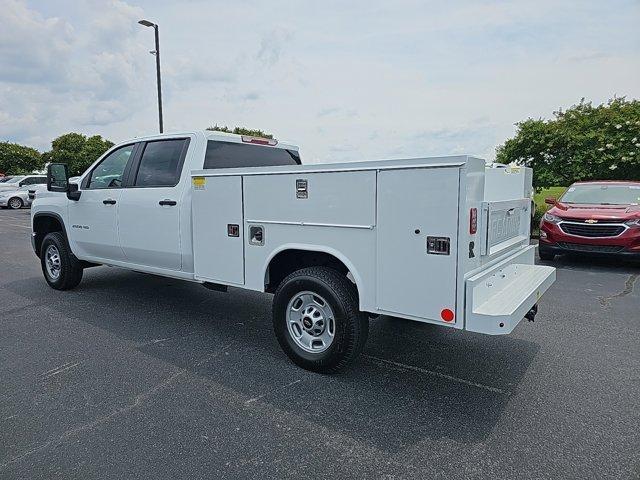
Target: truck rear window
pixel 236 155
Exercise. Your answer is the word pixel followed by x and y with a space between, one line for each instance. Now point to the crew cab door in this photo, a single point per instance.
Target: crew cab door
pixel 93 218
pixel 149 208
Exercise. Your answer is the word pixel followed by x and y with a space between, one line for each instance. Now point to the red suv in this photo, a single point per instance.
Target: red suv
pixel 593 217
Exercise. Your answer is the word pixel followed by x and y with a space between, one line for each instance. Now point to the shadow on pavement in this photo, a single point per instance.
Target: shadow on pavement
pixel 414 382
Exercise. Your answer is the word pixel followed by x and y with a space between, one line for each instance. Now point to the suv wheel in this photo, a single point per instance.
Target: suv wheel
pixel 15 203
pixel 316 319
pixel 60 267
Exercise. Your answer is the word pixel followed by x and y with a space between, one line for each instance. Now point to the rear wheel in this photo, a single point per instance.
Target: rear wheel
pixel 545 254
pixel 60 267
pixel 14 203
pixel 316 319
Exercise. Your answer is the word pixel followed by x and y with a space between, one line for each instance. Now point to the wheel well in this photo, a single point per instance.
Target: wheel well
pixel 43 225
pixel 288 261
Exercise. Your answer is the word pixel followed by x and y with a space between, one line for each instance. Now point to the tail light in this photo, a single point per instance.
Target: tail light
pixel 259 140
pixel 473 221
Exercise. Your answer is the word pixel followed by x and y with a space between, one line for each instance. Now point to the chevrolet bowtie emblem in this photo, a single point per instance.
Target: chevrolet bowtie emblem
pixel 591 220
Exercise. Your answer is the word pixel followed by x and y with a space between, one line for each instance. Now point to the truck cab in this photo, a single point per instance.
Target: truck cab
pixel 134 203
pixel 421 239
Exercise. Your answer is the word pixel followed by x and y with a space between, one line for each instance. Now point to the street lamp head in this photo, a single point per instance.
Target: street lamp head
pixel 146 23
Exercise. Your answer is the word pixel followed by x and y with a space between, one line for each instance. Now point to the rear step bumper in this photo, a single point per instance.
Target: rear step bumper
pixel 498 298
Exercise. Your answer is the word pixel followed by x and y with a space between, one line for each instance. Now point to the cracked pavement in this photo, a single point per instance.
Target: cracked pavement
pixel 136 376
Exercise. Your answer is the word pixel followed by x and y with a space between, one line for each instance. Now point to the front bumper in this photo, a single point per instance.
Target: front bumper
pixel 553 239
pixel 583 249
pixel 498 298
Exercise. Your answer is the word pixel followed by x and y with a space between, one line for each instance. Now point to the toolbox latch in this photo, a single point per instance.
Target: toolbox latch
pixel 439 245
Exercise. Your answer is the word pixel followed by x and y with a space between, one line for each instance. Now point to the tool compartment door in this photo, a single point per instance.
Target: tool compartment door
pixel 218 239
pixel 417 207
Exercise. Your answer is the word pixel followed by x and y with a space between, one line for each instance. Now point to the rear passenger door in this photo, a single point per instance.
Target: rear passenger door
pixel 150 205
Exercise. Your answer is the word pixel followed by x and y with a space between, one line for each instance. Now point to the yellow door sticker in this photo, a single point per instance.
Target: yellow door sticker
pixel 198 183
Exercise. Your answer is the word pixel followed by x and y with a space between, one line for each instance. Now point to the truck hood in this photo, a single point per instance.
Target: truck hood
pixel 598 212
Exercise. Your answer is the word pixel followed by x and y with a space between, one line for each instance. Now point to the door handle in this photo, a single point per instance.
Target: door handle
pixel 109 201
pixel 167 202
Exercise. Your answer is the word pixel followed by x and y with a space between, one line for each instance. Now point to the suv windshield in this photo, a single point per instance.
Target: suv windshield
pixel 13 180
pixel 602 194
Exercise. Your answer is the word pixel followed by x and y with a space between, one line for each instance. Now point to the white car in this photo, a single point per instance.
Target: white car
pixel 18 181
pixel 16 199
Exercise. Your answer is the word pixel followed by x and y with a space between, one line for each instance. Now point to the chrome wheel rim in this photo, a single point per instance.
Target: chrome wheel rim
pixel 310 322
pixel 15 203
pixel 52 262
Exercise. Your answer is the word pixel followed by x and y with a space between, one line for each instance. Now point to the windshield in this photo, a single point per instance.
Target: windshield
pixel 5 179
pixel 602 194
pixel 13 180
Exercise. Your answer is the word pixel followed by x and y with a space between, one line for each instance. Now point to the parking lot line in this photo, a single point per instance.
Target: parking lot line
pixel 403 366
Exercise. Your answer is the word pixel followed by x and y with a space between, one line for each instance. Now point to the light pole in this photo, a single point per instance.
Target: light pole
pixel 147 23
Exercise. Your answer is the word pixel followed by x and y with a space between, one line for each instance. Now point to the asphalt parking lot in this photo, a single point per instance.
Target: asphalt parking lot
pixel 135 376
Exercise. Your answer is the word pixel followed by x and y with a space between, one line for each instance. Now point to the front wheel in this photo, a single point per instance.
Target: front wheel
pixel 60 267
pixel 15 203
pixel 317 321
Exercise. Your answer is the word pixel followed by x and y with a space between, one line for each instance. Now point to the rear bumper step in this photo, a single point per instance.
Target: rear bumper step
pixel 499 298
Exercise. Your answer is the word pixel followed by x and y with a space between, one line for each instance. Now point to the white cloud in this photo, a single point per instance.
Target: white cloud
pixel 61 77
pixel 33 49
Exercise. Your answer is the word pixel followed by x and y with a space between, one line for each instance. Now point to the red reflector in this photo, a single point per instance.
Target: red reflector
pixel 259 140
pixel 473 221
pixel 447 315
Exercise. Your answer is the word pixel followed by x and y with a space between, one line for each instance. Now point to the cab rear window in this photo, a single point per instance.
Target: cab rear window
pixel 237 155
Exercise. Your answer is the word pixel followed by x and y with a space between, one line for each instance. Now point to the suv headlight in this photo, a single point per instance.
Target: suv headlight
pixel 547 217
pixel 633 223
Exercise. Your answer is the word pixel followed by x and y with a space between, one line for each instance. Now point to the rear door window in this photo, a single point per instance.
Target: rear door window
pixel 161 163
pixel 236 155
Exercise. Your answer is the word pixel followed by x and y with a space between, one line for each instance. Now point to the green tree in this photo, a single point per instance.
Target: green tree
pixel 241 131
pixel 585 142
pixel 17 159
pixel 77 151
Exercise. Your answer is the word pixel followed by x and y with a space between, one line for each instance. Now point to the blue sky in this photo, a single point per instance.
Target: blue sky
pixel 344 80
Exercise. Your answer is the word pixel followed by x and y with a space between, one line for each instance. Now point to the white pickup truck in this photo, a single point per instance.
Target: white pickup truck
pixel 335 243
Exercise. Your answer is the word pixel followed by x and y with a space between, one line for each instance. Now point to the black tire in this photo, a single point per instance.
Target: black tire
pixel 15 203
pixel 545 254
pixel 351 326
pixel 70 269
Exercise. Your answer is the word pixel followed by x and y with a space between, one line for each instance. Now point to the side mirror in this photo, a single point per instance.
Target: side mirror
pixel 550 200
pixel 57 177
pixel 58 181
